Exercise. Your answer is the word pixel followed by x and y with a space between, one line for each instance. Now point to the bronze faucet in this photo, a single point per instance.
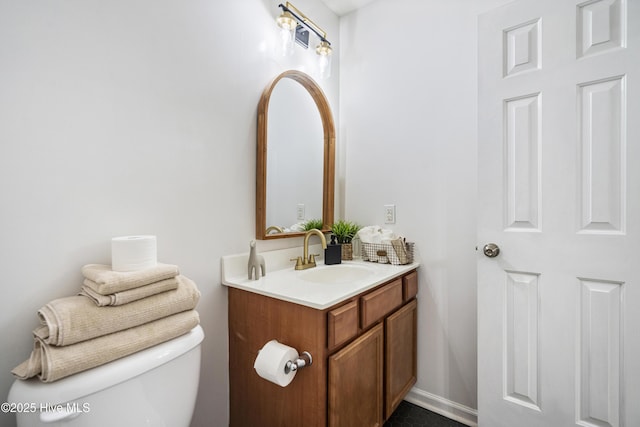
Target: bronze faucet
pixel 309 261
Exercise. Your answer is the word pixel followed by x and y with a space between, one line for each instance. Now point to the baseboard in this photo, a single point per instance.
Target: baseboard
pixel 440 405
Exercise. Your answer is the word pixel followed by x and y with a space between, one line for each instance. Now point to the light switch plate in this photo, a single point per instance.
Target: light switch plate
pixel 300 212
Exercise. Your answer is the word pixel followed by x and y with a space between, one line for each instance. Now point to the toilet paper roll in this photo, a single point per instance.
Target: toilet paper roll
pixel 133 253
pixel 271 361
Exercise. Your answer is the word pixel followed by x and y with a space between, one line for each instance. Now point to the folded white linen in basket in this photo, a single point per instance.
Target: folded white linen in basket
pixel 376 234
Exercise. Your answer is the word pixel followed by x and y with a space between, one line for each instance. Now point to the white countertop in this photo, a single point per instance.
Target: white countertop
pixel 283 282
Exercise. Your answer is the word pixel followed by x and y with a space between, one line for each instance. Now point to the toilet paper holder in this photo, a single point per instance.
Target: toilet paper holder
pixel 303 360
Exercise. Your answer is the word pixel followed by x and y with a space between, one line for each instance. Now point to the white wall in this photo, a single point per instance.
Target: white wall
pixel 132 117
pixel 408 133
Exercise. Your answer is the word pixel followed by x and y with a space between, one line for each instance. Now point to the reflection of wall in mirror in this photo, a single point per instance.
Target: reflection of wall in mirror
pixel 295 155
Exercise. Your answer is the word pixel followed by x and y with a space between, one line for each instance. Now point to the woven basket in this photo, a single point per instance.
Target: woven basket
pixel 384 253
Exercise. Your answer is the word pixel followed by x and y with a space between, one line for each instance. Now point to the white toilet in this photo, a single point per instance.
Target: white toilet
pixel 154 387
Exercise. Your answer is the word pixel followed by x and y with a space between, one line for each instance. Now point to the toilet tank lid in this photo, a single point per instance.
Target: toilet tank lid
pixel 93 380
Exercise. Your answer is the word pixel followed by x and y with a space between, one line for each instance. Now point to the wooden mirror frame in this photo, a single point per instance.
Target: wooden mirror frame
pixel 328 181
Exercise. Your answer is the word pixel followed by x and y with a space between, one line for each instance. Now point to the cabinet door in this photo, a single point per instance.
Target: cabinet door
pixel 355 382
pixel 401 355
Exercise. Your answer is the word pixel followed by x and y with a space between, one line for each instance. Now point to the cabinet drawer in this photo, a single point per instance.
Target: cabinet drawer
pixel 342 324
pixel 376 304
pixel 410 286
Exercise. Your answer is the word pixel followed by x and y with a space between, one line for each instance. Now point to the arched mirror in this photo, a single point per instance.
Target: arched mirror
pixel 295 158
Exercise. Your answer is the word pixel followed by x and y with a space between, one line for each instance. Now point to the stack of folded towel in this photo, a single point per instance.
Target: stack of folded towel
pixel 384 246
pixel 376 234
pixel 115 315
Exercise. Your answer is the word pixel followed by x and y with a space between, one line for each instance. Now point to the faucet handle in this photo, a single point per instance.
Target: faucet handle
pixel 297 260
pixel 312 258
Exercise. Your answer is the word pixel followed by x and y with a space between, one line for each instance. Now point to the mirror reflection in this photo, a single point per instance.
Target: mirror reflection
pixel 295 158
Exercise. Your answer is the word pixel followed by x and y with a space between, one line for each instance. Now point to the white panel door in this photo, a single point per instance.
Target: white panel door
pixel 559 193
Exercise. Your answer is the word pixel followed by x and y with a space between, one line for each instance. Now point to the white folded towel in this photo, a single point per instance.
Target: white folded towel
pixel 298 226
pixel 386 236
pixel 376 234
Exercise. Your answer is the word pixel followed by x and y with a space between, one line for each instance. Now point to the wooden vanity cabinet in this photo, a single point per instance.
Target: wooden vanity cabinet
pixel 401 365
pixel 356 380
pixel 364 357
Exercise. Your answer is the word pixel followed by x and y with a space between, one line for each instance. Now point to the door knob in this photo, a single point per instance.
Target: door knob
pixel 491 250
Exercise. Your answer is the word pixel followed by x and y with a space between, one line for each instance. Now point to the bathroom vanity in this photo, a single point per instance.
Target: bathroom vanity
pixel 361 334
pixel 357 319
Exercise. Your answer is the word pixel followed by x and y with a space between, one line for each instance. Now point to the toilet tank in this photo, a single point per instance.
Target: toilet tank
pixel 154 387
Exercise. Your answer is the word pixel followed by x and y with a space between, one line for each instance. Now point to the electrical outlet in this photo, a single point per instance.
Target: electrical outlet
pixel 389 214
pixel 300 212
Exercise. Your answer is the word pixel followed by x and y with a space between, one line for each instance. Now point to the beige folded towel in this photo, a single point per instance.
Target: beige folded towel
pixel 53 363
pixel 73 319
pixel 108 281
pixel 399 247
pixel 131 295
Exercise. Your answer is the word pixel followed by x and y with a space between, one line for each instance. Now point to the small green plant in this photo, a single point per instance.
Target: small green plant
pixel 345 230
pixel 313 223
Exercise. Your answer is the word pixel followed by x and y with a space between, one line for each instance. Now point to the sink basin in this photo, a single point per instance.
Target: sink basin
pixel 320 287
pixel 336 274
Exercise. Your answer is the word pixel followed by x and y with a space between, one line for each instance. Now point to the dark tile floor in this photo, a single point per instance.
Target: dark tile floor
pixel 410 415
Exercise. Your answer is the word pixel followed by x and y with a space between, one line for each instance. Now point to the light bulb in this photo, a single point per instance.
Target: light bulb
pixel 287 24
pixel 287 40
pixel 287 21
pixel 324 59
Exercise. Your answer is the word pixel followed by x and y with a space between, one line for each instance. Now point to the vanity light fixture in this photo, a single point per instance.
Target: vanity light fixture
pixel 287 24
pixel 295 26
